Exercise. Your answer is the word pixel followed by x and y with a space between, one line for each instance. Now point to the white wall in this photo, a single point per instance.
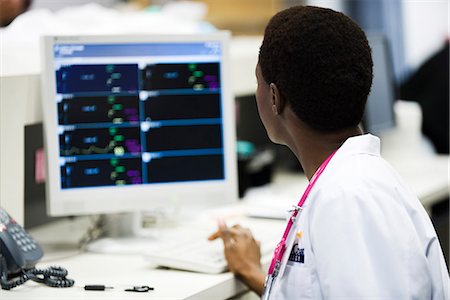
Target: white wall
pixel 426 26
pixel 336 5
pixel 58 4
pixel 19 105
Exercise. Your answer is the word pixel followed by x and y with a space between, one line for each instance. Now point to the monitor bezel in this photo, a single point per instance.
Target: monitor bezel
pixel 143 197
pixel 375 126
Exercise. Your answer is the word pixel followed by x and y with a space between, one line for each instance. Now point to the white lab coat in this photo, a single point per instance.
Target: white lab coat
pixel 362 235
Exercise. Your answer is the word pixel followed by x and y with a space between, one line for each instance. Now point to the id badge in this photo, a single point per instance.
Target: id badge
pixel 272 279
pixel 267 287
pixel 289 244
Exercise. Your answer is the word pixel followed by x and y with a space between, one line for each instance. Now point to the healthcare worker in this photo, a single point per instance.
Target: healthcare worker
pixel 358 232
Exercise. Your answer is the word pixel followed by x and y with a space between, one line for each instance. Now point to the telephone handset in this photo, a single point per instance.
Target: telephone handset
pixel 19 254
pixel 18 248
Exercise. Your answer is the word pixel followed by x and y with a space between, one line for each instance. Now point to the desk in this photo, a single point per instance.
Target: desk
pixel 122 271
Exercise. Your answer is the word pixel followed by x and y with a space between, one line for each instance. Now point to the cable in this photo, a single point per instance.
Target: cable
pixel 9 284
pixel 52 276
pixel 95 230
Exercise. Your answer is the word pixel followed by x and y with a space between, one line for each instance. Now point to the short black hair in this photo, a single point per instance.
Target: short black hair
pixel 26 5
pixel 321 62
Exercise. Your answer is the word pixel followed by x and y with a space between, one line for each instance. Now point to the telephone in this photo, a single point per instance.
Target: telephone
pixel 19 254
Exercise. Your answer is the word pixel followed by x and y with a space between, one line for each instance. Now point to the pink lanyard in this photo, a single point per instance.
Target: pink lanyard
pixel 281 247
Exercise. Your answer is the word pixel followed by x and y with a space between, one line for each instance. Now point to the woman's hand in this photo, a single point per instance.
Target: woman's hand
pixel 243 254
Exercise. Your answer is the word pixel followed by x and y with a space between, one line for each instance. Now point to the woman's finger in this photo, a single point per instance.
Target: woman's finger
pixel 222 227
pixel 214 236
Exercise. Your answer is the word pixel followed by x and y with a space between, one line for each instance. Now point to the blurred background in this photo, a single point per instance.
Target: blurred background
pixel 417 29
pixel 417 33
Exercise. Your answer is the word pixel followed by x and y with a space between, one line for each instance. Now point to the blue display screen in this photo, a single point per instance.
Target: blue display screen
pixel 139 113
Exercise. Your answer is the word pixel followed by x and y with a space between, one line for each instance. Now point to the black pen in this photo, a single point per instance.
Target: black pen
pixel 97 287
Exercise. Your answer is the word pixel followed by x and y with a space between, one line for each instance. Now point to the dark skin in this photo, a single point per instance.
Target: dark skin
pixel 9 10
pixel 311 147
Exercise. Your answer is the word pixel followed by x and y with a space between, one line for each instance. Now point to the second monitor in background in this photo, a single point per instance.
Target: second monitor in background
pixel 379 113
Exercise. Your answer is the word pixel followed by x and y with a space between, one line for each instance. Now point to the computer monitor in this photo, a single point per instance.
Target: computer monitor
pixel 379 113
pixel 132 122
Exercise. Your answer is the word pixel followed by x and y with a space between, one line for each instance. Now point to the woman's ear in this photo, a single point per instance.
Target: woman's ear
pixel 278 102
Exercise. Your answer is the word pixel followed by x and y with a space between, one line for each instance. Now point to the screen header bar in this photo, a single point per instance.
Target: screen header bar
pixel 139 49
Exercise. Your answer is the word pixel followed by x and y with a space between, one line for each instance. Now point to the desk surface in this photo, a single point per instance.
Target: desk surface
pixel 124 271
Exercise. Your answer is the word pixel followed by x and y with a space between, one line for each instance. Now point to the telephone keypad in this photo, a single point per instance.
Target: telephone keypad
pixel 23 239
pixel 4 218
pixel 18 248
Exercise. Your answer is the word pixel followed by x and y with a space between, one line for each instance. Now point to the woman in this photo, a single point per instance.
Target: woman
pixel 359 232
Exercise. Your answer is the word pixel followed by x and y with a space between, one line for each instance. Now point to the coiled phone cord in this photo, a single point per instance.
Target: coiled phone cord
pixel 52 276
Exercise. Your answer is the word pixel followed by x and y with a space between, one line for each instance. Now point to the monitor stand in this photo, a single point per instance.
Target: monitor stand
pixel 134 233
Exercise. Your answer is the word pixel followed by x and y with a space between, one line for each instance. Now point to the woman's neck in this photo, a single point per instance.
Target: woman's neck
pixel 313 147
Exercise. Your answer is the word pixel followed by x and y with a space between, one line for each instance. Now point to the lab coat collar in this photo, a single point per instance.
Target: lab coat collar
pixel 361 144
pixel 366 144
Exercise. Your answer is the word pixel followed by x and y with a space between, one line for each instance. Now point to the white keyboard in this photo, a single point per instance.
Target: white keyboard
pixel 201 255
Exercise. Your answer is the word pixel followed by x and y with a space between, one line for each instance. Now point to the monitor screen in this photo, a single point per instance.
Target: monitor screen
pixel 131 121
pixel 379 113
